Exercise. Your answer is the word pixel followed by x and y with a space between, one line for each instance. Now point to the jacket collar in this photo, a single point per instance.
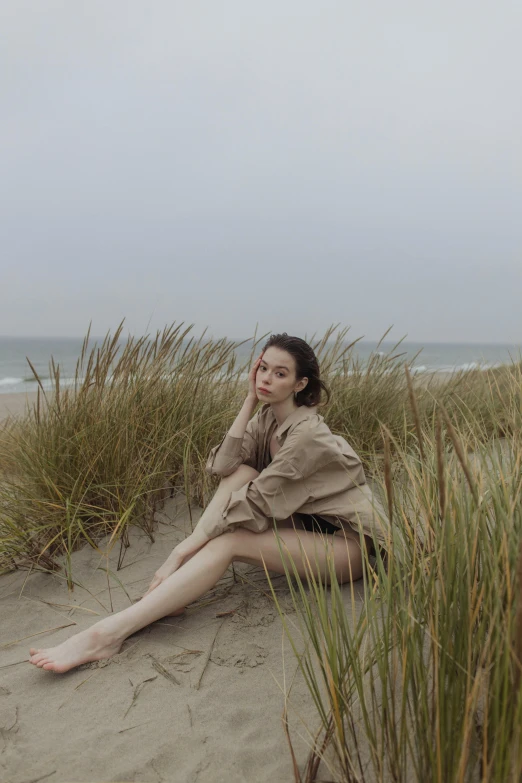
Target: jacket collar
pixel 301 413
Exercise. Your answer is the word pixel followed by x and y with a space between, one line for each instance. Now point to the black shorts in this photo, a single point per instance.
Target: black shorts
pixel 316 524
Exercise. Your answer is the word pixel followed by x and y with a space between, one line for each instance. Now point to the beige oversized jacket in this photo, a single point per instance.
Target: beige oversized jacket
pixel 314 472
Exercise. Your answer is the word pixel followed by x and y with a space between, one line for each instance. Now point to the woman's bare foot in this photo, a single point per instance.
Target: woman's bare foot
pixel 94 644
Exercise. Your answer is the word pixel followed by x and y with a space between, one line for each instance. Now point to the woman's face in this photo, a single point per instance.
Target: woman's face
pixel 276 374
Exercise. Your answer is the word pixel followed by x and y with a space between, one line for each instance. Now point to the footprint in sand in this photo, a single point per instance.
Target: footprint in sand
pixel 251 655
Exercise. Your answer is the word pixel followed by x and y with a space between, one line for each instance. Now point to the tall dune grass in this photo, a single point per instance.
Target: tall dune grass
pixel 138 423
pixel 421 681
pixel 90 460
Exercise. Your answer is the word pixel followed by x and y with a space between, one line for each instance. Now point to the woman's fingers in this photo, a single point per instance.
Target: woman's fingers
pixel 166 570
pixel 153 584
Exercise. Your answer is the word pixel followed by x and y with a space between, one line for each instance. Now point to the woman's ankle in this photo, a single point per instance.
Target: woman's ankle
pixel 111 628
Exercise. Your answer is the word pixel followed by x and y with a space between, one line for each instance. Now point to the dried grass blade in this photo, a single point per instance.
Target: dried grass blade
pixel 47 630
pixel 295 765
pixel 460 454
pixel 415 410
pixel 518 625
pixel 387 473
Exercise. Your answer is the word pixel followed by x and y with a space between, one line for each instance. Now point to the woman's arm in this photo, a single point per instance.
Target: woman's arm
pixel 183 551
pixel 240 442
pixel 238 451
pixel 238 445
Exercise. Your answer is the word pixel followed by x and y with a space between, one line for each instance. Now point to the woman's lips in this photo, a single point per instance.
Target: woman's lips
pixel 264 391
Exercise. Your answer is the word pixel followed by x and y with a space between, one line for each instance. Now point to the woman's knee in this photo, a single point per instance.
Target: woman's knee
pixel 222 545
pixel 242 544
pixel 236 545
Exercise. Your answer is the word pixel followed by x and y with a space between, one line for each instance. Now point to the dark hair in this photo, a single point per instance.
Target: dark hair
pixel 306 366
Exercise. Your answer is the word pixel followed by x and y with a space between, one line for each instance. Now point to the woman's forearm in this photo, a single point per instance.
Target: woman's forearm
pixel 218 502
pixel 237 430
pixel 191 544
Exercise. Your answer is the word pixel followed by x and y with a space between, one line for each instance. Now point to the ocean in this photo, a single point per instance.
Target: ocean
pixel 16 374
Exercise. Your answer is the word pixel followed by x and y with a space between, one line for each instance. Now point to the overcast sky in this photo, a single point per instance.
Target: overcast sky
pixel 292 164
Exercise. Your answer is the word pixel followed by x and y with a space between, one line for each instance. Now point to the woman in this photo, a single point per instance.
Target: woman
pixel 279 469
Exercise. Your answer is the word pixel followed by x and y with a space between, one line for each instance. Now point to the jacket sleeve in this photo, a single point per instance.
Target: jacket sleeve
pixel 231 452
pixel 279 490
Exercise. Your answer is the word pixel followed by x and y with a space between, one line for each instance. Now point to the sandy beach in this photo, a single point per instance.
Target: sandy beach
pixel 15 404
pixel 192 698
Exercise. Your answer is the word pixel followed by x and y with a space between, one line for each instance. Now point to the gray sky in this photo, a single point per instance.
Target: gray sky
pixel 292 164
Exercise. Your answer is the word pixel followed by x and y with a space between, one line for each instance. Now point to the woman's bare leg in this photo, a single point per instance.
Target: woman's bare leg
pixel 228 484
pixel 195 578
pixel 95 642
pixel 308 551
pixel 198 574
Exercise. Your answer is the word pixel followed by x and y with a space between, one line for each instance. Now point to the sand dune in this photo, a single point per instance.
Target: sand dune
pixel 192 698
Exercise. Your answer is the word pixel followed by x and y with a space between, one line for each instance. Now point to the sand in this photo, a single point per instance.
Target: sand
pixel 15 404
pixel 192 698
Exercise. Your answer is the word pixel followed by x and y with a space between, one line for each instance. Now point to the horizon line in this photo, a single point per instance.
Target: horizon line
pixel 240 339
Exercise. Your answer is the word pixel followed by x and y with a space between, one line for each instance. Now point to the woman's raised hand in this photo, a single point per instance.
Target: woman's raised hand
pixel 252 389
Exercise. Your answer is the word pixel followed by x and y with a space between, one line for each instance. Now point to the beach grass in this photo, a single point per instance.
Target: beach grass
pixel 89 460
pixel 424 682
